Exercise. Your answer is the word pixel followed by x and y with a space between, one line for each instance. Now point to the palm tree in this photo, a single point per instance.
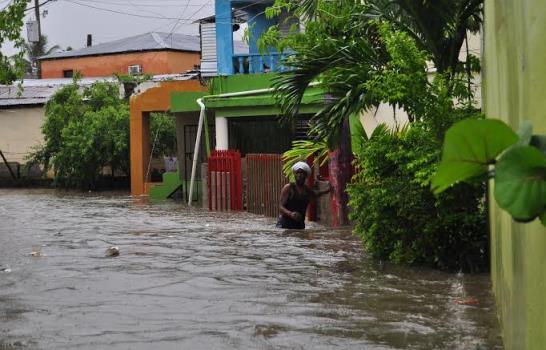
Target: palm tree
pixel 344 55
pixel 37 49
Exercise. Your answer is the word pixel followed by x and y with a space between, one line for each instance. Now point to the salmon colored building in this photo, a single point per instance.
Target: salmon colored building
pixel 149 53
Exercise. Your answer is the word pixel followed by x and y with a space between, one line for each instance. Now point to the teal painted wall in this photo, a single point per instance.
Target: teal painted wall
pixel 514 90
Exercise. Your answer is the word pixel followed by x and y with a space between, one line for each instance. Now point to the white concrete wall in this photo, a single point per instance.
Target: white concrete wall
pixel 385 114
pixel 20 129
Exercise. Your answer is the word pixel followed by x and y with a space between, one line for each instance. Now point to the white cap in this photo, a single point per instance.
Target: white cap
pixel 301 166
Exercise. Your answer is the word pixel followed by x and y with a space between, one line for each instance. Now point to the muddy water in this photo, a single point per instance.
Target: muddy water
pixel 189 279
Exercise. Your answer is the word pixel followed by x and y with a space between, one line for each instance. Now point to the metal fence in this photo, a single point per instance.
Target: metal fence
pixel 265 180
pixel 225 189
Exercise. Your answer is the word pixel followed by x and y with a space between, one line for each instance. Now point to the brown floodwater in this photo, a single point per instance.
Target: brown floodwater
pixel 191 279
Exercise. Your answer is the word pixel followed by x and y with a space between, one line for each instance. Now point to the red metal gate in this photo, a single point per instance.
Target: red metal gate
pixel 225 181
pixel 265 180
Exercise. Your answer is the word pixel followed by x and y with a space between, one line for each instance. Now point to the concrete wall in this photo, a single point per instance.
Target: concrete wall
pixel 152 62
pixel 385 114
pixel 515 90
pixel 20 129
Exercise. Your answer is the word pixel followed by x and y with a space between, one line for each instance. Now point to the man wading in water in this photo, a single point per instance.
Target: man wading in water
pixel 295 197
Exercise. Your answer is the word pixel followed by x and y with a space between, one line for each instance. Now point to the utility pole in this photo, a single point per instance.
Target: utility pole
pixel 37 14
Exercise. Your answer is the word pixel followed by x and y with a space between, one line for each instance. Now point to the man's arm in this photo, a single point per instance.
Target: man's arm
pixel 316 193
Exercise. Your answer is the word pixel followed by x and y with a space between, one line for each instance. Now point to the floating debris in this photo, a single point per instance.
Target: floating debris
pixel 36 252
pixel 5 269
pixel 112 251
pixel 467 301
pixel 268 331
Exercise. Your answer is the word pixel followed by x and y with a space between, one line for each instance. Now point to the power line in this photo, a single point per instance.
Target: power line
pixel 42 4
pixel 193 14
pixel 144 10
pixel 137 4
pixel 125 13
pixel 178 21
pixel 186 20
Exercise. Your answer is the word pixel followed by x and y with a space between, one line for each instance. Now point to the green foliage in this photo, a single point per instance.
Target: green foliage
pixel 132 79
pixel 520 164
pixel 397 216
pixel 520 182
pixel 373 52
pixel 163 134
pixel 85 130
pixel 301 151
pixel 371 66
pixel 37 49
pixel 11 22
pixel 470 146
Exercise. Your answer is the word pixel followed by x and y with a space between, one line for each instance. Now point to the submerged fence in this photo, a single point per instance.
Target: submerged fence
pixel 225 189
pixel 265 180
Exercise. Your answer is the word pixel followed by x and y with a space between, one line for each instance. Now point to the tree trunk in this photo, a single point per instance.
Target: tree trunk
pixel 340 171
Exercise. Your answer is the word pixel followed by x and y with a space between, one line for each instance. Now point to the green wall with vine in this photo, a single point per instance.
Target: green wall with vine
pixel 514 90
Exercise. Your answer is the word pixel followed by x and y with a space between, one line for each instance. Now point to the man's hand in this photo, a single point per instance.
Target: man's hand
pixel 330 189
pixel 295 216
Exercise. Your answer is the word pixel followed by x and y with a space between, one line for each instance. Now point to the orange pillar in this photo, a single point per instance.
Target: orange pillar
pixel 139 148
pixel 156 99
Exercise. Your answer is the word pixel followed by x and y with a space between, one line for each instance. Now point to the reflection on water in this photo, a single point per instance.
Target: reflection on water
pixel 190 279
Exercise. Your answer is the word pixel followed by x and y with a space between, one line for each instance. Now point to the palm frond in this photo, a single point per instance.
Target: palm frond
pixel 301 151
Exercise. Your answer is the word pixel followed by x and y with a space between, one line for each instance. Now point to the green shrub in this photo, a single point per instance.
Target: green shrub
pixel 398 217
pixel 86 130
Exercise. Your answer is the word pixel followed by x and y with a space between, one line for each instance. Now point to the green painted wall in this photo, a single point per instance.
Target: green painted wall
pixel 185 101
pixel 257 104
pixel 240 82
pixel 514 90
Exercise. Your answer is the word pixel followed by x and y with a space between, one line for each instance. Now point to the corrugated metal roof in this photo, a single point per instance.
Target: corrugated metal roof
pixel 36 91
pixel 39 91
pixel 143 42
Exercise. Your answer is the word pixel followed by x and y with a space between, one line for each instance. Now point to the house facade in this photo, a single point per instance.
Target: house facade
pixel 22 113
pixel 150 53
pixel 241 108
pixel 514 91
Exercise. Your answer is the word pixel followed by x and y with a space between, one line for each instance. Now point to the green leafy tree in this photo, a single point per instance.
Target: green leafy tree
pixel 163 132
pixel 367 53
pixel 86 131
pixel 34 50
pixel 352 47
pixel 399 219
pixel 40 48
pixel 11 22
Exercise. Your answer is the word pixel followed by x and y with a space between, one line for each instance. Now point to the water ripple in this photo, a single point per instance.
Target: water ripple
pixel 188 278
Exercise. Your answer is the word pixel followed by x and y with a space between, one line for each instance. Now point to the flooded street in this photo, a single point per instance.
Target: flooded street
pixel 190 279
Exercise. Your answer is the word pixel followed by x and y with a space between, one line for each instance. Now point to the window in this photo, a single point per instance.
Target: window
pixel 135 69
pixel 68 73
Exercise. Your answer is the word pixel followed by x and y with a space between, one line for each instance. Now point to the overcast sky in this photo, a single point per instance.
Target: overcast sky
pixel 67 22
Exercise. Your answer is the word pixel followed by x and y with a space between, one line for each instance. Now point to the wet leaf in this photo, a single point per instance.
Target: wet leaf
pixel 469 146
pixel 520 182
